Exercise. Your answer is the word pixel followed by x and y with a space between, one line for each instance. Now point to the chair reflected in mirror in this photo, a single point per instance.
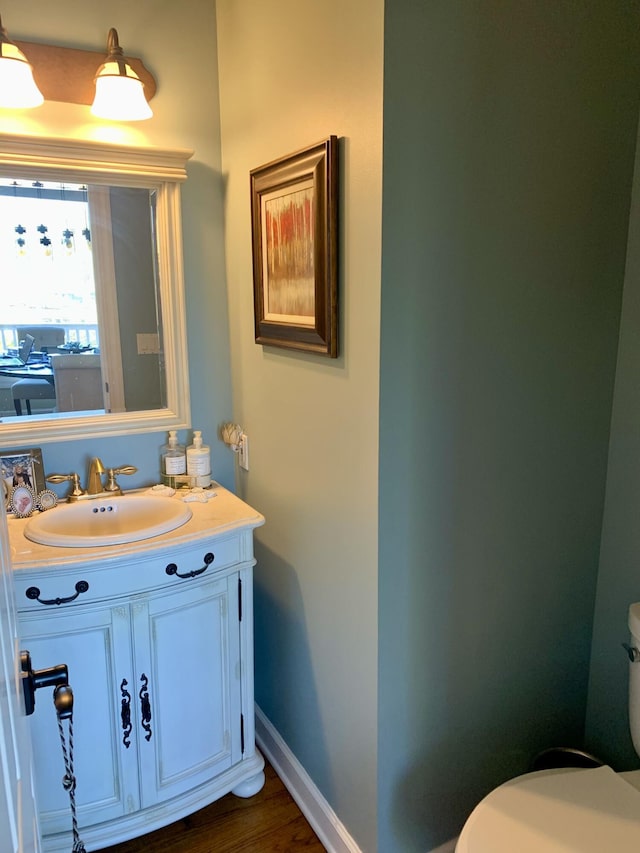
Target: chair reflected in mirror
pixel 32 389
pixel 78 382
pixel 45 339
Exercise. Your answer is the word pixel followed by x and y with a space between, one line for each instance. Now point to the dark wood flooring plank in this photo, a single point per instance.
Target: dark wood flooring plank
pixel 269 822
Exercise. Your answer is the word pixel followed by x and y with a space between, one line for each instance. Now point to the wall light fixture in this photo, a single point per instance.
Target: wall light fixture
pixel 119 90
pixel 18 89
pixel 75 76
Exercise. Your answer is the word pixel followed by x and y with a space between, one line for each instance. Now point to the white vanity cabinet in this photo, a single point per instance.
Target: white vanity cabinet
pixel 90 641
pixel 160 655
pixel 187 663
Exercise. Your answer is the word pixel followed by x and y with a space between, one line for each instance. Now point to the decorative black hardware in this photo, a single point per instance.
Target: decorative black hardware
pixel 632 652
pixel 125 713
pixel 145 707
pixel 172 569
pixel 32 680
pixel 63 701
pixel 33 593
pixel 58 678
pixel 242 733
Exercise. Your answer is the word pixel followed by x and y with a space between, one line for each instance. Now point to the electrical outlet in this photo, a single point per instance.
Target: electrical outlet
pixel 243 456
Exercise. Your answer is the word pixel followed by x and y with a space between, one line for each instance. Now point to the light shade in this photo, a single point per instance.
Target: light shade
pixel 119 90
pixel 18 89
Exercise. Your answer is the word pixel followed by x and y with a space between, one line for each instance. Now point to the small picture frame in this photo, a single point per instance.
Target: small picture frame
pixel 46 500
pixel 21 468
pixel 22 501
pixel 294 223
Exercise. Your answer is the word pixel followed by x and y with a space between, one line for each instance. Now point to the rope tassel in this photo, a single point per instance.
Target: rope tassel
pixel 69 780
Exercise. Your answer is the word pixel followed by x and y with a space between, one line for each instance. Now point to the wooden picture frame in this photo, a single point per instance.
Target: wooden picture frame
pixel 294 225
pixel 22 468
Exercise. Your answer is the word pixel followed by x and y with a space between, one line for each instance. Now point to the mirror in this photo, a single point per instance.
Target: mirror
pixel 125 331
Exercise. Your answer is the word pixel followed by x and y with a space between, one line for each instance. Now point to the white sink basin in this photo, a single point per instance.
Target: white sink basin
pixel 107 521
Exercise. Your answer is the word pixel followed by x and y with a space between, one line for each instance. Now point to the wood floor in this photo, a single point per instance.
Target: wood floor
pixel 270 822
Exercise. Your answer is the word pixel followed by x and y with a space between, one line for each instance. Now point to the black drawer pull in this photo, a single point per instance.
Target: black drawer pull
pixel 33 593
pixel 172 569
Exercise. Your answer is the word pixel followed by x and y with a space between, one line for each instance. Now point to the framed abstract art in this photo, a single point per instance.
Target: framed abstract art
pixel 294 223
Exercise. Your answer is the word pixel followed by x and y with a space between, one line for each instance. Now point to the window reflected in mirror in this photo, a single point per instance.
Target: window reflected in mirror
pixel 126 343
pixel 80 277
pixel 45 243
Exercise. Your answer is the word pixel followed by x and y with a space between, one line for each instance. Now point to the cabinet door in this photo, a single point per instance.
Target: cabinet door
pixel 95 644
pixel 187 659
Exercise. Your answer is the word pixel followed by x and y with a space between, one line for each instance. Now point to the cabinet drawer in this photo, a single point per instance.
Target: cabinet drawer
pixel 69 586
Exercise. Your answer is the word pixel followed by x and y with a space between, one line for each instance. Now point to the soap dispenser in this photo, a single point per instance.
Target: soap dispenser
pixel 199 461
pixel 174 460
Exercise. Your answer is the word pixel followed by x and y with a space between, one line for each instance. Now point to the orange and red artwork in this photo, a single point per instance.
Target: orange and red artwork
pixel 294 237
pixel 288 260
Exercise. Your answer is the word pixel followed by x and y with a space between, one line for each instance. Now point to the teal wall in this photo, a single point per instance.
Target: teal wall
pixel 619 576
pixel 509 132
pixel 135 264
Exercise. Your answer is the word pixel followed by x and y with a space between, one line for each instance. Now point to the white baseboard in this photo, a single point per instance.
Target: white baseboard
pixel 323 820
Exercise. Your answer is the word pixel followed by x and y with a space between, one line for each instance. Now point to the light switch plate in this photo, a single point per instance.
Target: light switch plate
pixel 243 456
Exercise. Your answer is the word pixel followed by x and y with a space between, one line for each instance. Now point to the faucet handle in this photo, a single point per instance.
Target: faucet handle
pixel 112 485
pixel 73 478
pixel 125 469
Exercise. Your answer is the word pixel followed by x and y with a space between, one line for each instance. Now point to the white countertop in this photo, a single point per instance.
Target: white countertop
pixel 220 515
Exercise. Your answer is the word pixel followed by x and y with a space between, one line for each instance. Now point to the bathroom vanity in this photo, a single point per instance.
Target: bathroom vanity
pixel 158 638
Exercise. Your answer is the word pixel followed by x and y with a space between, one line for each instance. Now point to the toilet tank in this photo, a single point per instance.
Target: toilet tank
pixel 634 677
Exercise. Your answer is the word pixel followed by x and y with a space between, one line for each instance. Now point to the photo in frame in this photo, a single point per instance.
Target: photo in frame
pixel 22 501
pixel 294 225
pixel 22 468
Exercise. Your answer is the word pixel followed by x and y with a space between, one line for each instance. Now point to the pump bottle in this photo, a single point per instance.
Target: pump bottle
pixel 199 461
pixel 173 456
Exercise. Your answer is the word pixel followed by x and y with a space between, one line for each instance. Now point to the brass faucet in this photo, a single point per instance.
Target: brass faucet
pixel 94 477
pixel 95 487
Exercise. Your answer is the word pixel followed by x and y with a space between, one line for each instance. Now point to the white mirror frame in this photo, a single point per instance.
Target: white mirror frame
pixel 164 170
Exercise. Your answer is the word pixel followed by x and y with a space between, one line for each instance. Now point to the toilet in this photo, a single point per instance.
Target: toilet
pixel 565 810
